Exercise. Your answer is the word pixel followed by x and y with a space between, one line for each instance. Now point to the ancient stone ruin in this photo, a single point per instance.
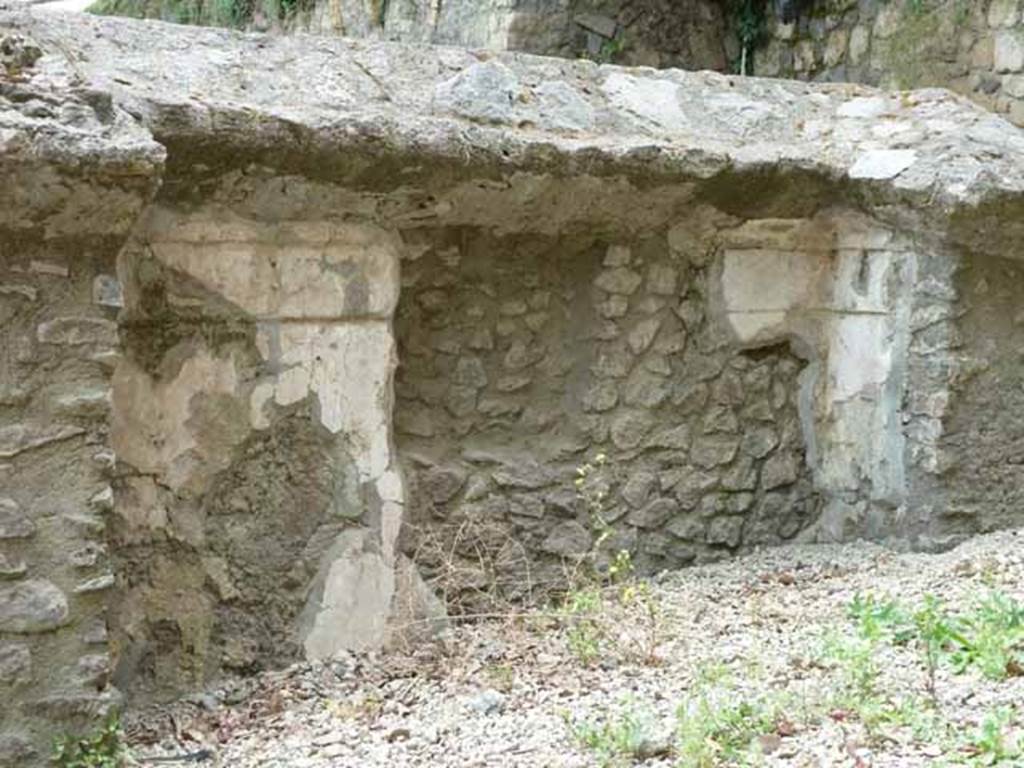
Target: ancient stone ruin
pixel 292 326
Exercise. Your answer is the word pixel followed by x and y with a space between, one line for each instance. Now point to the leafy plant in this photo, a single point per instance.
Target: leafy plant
pixel 935 631
pixel 630 735
pixel 877 618
pixel 586 635
pixel 993 742
pixel 992 638
pixel 608 606
pixel 101 749
pixel 750 20
pixel 718 726
pixel 856 660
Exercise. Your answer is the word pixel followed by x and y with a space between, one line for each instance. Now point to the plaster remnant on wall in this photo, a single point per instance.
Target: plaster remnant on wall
pixel 305 270
pixel 347 368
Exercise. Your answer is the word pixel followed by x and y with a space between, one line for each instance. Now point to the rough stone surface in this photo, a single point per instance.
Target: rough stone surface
pixel 32 606
pixel 77 174
pixel 753 295
pixel 972 48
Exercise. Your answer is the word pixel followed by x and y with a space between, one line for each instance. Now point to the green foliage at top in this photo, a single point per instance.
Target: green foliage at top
pixel 750 21
pixel 234 14
pixel 101 749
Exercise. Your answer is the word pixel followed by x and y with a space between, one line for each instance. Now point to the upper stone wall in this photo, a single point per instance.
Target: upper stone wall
pixel 974 47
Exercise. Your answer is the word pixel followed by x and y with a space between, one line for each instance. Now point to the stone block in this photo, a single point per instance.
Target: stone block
pixel 654 514
pixel 781 469
pixel 98 584
pixel 638 488
pixel 646 389
pixel 629 428
pixel 13 523
pixel 32 606
pixel 568 539
pixel 11 569
pixel 642 335
pixel 85 401
pixel 727 530
pixel 605 26
pixel 714 450
pixel 484 91
pixel 662 279
pixel 1008 55
pixel 106 291
pixel 15 665
pixel 618 280
pixel 602 396
pixel 1004 13
pixel 78 331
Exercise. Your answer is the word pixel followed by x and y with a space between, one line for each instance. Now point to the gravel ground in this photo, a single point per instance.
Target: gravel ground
pixel 511 691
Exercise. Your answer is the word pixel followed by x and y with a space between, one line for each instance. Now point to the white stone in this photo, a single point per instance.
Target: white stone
pixel 19 438
pixel 106 291
pixel 74 331
pixel 349 605
pixel 868 107
pixel 860 41
pixel 13 523
pixel 653 104
pixel 1009 51
pixel 882 163
pixel 1004 13
pixel 49 268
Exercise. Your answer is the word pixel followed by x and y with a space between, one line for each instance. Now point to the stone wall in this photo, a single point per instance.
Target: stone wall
pixel 972 425
pixel 974 47
pixel 525 357
pixel 771 317
pixel 62 221
pixel 58 345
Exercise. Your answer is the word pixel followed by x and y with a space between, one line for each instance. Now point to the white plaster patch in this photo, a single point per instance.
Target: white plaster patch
pixel 392 494
pixel 348 368
pixel 150 423
pixel 761 286
pixel 859 356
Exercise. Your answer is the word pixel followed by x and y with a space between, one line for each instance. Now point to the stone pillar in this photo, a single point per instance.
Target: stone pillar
pixel 253 419
pixel 840 288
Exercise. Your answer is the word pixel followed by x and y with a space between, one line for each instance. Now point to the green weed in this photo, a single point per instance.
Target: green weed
pixel 101 749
